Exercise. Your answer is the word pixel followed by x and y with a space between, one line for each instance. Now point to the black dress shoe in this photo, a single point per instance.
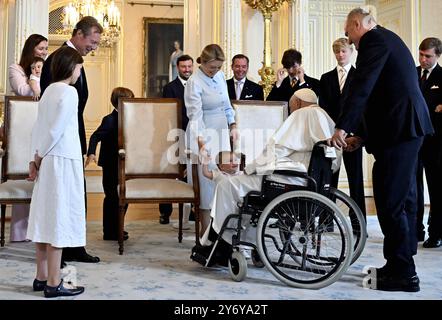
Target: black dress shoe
pixel 60 291
pixel 164 220
pixel 395 283
pixel 83 257
pixel 38 285
pixel 432 243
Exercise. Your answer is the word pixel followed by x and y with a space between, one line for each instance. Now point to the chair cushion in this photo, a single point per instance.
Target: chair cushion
pixel 16 189
pixel 158 188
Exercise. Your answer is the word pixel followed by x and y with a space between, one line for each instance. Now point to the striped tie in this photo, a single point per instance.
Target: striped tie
pixel 342 77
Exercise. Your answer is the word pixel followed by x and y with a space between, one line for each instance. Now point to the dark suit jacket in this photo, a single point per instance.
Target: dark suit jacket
pixel 107 134
pixel 82 90
pixel 175 89
pixel 331 98
pixel 432 91
pixel 250 90
pixel 385 91
pixel 285 91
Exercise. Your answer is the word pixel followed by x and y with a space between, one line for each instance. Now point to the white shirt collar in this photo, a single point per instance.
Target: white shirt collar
pixel 429 70
pixel 240 81
pixel 347 68
pixel 183 82
pixel 70 44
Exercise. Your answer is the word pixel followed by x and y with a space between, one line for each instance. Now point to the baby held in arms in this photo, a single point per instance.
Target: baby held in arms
pixel 227 164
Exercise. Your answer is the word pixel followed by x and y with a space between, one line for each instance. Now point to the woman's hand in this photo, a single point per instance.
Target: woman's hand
pixel 33 171
pixel 37 160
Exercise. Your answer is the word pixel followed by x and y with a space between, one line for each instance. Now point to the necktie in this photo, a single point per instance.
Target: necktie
pixel 424 78
pixel 293 82
pixel 342 77
pixel 238 90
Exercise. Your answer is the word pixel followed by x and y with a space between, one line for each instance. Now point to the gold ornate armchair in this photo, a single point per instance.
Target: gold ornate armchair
pixel 152 158
pixel 20 115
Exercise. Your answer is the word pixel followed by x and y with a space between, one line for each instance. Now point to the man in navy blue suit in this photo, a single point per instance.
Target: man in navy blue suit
pixel 385 94
pixel 239 87
pixel 175 89
pixel 430 156
pixel 334 86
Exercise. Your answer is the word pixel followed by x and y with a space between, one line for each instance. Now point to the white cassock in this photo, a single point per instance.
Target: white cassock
pixel 289 148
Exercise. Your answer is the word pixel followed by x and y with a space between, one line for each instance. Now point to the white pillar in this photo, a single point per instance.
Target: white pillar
pixel 298 25
pixel 31 17
pixel 231 34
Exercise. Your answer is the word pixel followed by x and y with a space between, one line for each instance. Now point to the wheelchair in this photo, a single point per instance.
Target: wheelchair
pixel 306 236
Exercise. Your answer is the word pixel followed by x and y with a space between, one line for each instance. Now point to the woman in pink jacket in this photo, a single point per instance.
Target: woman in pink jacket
pixel 35 46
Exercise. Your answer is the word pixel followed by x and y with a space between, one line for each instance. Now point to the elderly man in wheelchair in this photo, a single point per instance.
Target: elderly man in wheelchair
pixel 305 232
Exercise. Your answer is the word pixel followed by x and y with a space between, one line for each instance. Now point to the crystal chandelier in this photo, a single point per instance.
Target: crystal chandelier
pixel 107 14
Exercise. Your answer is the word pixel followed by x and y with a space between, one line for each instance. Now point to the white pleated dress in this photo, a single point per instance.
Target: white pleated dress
pixel 57 214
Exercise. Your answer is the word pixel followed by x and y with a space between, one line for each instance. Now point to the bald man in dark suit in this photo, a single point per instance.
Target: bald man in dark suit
pixel 385 95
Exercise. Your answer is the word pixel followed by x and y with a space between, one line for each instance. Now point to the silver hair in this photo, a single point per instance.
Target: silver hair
pixel 364 13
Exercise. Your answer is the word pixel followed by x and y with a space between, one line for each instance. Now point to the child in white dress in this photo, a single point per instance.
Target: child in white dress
pixel 56 217
pixel 34 78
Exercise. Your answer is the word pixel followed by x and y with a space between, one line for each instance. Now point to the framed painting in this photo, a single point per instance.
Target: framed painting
pixel 163 44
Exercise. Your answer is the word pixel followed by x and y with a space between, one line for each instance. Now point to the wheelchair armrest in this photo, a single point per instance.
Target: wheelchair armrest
pixel 292 173
pixel 298 174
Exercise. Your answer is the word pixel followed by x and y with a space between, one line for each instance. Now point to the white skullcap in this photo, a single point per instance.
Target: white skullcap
pixel 307 95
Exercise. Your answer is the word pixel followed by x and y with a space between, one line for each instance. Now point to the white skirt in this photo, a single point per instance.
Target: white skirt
pixel 57 215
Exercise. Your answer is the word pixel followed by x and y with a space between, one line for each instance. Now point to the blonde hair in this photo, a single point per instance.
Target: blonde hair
pixel 341 43
pixel 210 53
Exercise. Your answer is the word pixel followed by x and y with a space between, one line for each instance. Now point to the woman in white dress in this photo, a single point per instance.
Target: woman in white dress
pixel 57 218
pixel 211 118
pixel 35 46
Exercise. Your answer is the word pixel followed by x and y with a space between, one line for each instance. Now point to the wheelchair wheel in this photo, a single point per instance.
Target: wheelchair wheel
pixel 300 251
pixel 256 259
pixel 237 266
pixel 354 216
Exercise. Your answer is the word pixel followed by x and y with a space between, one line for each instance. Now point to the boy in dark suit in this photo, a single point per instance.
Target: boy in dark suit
pixel 291 78
pixel 107 133
pixel 334 86
pixel 239 87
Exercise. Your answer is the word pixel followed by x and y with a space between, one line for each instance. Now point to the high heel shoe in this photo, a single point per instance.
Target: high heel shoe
pixel 61 291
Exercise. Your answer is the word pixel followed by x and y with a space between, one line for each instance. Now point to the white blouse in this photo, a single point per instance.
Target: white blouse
pixel 56 129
